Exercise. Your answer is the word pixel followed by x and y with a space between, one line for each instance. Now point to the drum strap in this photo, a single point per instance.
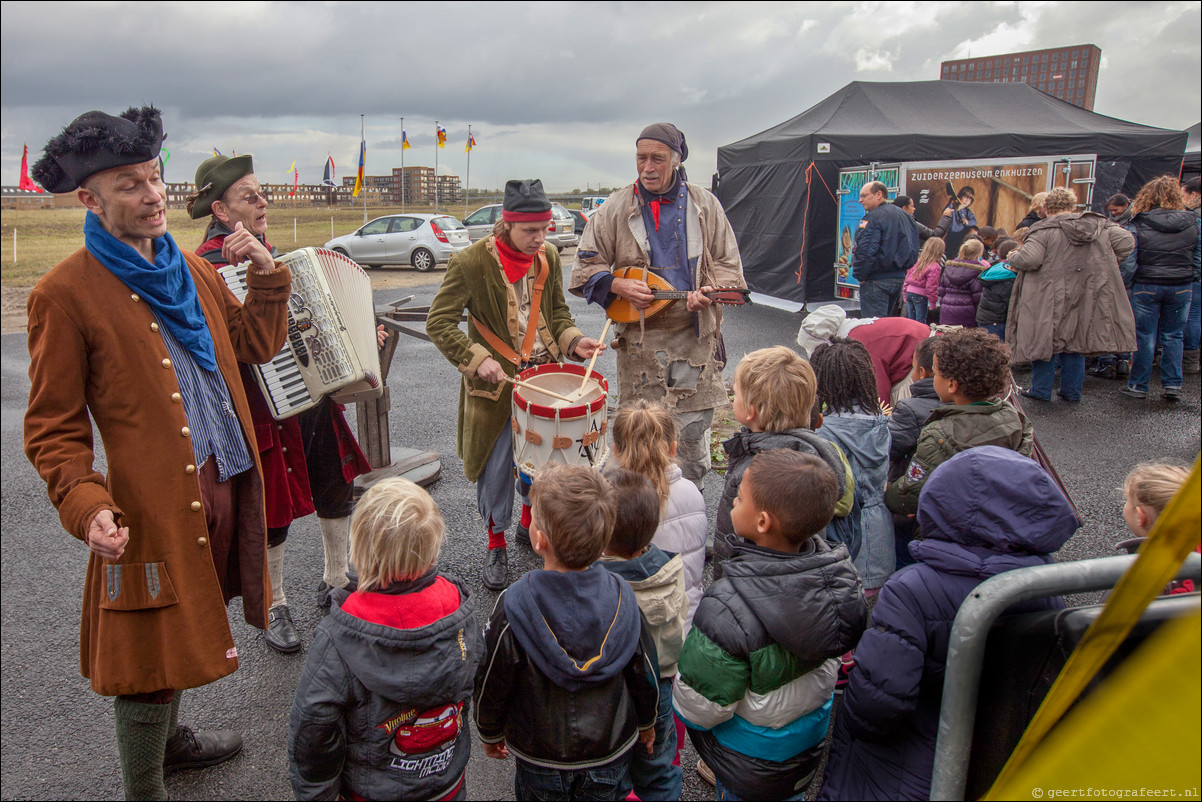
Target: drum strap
pixel 504 349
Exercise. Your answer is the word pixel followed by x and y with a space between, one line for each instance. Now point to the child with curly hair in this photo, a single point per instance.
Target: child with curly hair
pixel 854 421
pixel 972 376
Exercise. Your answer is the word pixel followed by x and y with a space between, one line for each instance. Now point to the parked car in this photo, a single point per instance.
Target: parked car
pixel 422 240
pixel 581 220
pixel 561 231
pixel 564 233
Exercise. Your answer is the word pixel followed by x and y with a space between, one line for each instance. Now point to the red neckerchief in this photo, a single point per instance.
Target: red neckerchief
pixel 657 202
pixel 515 263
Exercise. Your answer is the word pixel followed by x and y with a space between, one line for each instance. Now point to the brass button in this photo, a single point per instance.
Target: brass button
pixel 191 469
pixel 202 541
pixel 154 326
pixel 175 397
pixel 135 297
pixel 195 506
pixel 166 363
pixel 185 431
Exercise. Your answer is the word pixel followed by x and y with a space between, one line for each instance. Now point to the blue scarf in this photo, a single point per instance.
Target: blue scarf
pixel 166 285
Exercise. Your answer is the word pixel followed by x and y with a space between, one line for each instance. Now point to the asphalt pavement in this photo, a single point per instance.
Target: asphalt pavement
pixel 56 736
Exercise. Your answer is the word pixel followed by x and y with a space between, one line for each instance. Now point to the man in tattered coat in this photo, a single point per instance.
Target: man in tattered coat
pixel 677 231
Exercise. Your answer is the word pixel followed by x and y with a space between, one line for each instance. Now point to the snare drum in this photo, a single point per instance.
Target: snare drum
pixel 546 429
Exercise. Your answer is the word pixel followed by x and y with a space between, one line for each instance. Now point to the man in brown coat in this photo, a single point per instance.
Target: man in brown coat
pixel 144 339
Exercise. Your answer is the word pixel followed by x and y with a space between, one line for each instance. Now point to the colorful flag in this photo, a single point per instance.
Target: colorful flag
pixel 362 163
pixel 216 152
pixel 405 141
pixel 26 181
pixel 442 136
pixel 295 179
pixel 471 143
pixel 164 157
pixel 328 179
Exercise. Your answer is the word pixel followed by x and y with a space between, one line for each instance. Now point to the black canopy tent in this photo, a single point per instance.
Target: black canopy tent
pixel 778 187
pixel 1192 165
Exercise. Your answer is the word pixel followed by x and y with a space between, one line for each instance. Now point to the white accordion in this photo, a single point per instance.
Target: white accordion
pixel 331 346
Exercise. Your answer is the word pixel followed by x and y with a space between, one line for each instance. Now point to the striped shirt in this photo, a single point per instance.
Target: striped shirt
pixel 212 420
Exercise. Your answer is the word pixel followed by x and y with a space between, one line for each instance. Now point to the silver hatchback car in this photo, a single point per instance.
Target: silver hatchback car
pixel 422 240
pixel 561 231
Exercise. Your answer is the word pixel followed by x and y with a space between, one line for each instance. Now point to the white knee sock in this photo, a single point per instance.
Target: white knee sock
pixel 335 537
pixel 275 569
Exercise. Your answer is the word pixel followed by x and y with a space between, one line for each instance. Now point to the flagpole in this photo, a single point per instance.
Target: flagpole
pixel 402 165
pixel 363 156
pixel 468 177
pixel 436 143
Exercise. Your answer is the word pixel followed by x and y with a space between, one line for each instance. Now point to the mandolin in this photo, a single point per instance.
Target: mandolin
pixel 623 311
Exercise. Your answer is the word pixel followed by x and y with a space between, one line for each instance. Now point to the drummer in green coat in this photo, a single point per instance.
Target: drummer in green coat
pixel 498 281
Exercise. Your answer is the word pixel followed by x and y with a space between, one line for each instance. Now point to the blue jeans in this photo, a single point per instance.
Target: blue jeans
pixel 608 782
pixel 996 329
pixel 880 297
pixel 724 794
pixel 653 775
pixel 1193 324
pixel 1072 377
pixel 1166 307
pixel 917 307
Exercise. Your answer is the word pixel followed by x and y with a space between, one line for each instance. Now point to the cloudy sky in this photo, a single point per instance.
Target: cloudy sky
pixel 551 90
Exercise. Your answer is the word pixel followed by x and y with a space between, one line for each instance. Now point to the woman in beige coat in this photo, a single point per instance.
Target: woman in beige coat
pixel 1068 300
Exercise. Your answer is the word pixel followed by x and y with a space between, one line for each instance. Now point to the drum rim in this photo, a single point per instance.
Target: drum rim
pixel 569 412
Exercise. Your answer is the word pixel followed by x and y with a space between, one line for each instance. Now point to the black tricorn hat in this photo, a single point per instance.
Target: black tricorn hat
pixel 95 142
pixel 214 176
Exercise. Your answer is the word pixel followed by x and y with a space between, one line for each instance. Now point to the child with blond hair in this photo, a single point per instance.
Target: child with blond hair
pixel 774 390
pixel 1148 489
pixel 960 286
pixel 644 437
pixel 921 289
pixel 379 710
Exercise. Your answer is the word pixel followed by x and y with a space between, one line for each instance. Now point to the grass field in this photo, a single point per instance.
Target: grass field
pixel 35 240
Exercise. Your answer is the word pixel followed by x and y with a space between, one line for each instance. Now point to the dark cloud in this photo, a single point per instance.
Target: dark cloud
pixel 544 89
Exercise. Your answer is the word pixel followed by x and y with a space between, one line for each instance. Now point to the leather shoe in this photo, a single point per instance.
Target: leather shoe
pixel 281 634
pixel 522 535
pixel 496 570
pixel 195 750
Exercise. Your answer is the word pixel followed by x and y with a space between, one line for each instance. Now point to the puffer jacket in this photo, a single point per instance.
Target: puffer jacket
pixel 744 445
pixel 959 293
pixel 658 582
pixel 996 285
pixel 683 525
pixel 926 285
pixel 864 439
pixel 570 674
pixel 906 422
pixel 1167 247
pixel 984 512
pixel 379 712
pixel 954 428
pixel 757 674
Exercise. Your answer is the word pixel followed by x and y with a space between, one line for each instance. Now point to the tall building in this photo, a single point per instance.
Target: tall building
pixel 1069 73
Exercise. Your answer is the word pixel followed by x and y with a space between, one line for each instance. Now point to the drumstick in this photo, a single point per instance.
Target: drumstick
pixel 593 361
pixel 537 389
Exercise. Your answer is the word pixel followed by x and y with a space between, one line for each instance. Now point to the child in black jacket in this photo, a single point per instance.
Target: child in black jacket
pixel 570 678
